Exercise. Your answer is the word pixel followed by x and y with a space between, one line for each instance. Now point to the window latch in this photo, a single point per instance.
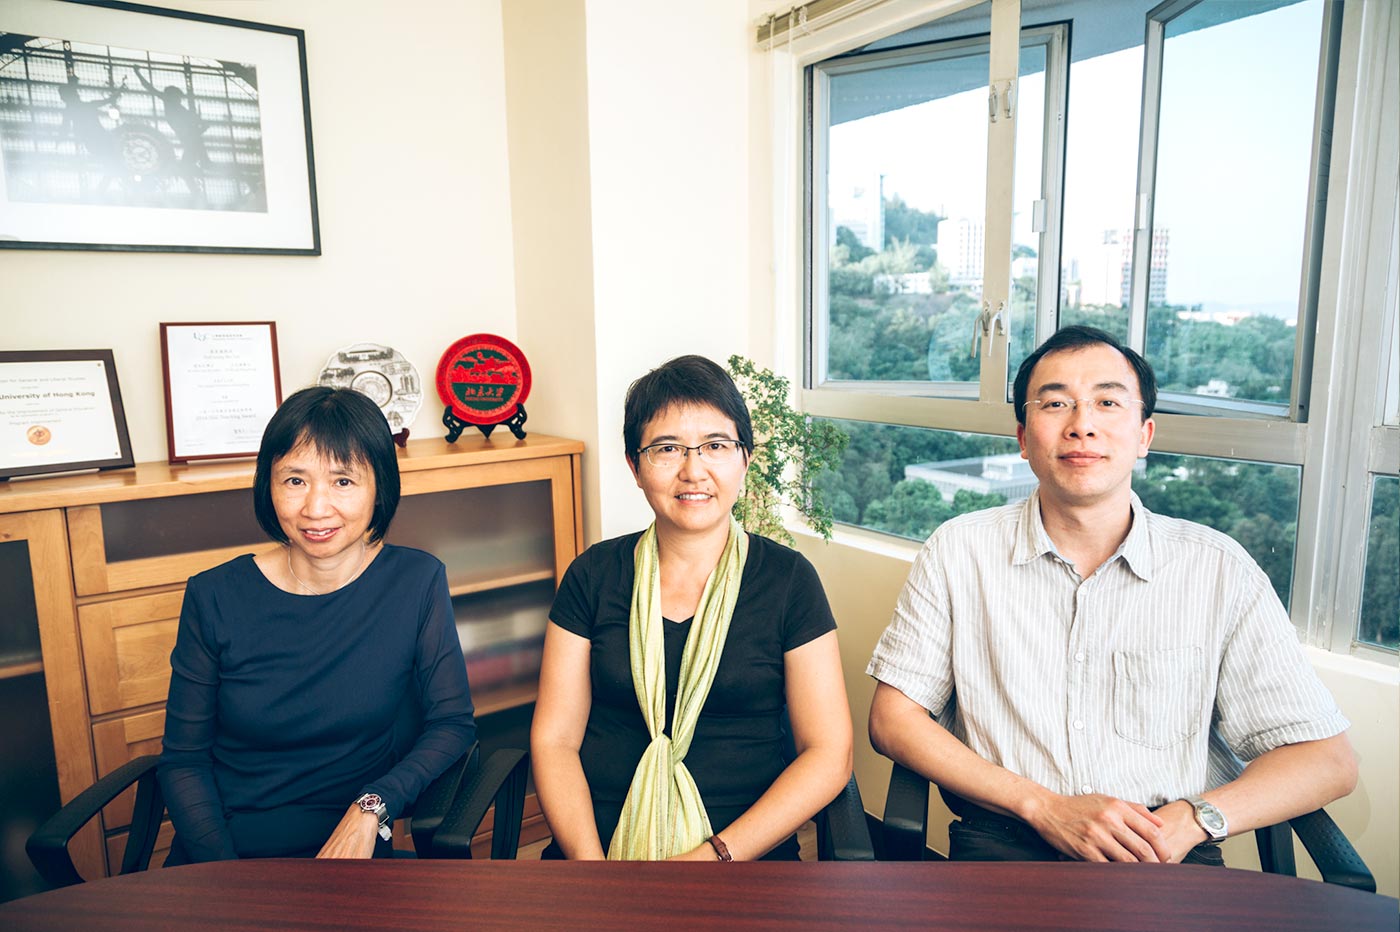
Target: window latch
pixel 982 326
pixel 1004 99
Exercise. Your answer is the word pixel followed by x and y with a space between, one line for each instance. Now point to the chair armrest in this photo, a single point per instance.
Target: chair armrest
pixel 501 779
pixel 842 831
pixel 906 815
pixel 48 846
pixel 434 802
pixel 1333 854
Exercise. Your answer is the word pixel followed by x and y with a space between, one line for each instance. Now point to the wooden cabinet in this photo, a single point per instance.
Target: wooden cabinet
pixel 108 555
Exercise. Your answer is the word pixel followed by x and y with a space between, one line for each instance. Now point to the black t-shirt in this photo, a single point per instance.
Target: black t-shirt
pixel 737 751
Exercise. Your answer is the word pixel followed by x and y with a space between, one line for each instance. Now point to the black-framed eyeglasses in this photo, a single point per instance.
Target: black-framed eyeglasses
pixel 670 455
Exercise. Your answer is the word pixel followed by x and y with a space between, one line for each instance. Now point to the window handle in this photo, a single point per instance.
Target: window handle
pixel 982 326
pixel 977 328
pixel 991 110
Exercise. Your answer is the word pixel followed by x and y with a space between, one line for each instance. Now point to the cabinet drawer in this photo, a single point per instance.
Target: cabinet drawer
pixel 126 649
pixel 156 542
pixel 114 743
pixel 116 847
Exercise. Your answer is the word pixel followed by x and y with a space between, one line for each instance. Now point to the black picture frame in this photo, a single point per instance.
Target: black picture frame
pixel 142 129
pixel 20 442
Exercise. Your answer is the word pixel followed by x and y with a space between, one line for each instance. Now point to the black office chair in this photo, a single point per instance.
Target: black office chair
pixel 454 805
pixel 843 832
pixel 906 826
pixel 48 845
pixel 447 830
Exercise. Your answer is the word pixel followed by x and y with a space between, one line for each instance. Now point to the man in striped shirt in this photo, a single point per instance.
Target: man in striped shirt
pixel 1096 672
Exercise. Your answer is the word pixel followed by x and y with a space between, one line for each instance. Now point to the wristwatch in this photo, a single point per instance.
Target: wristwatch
pixel 370 802
pixel 1209 818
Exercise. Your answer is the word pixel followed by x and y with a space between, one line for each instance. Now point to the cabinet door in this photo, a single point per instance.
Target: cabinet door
pixel 120 740
pixel 126 648
pixel 45 725
pixel 158 541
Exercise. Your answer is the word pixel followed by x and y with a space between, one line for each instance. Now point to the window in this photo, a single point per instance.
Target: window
pixel 903 197
pixel 1227 188
pixel 1134 174
pixel 907 481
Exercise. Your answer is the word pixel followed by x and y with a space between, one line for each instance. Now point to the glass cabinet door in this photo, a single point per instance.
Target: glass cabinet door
pixel 44 728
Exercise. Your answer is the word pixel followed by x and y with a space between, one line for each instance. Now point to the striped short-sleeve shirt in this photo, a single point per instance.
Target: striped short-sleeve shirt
pixel 1145 681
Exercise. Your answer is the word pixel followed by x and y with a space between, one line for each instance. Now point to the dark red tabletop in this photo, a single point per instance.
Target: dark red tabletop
pixel 461 895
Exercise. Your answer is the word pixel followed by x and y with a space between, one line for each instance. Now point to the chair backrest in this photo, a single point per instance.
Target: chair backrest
pixel 500 779
pixel 434 802
pixel 1325 843
pixel 48 845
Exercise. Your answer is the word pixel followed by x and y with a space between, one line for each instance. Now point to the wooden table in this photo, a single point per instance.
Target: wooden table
pixel 532 895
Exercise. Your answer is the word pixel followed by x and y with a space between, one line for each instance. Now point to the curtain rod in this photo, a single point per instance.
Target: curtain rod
pixel 806 17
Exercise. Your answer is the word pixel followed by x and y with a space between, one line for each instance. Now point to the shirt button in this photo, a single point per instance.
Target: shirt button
pixel 1079 656
pixel 1078 724
pixel 1086 788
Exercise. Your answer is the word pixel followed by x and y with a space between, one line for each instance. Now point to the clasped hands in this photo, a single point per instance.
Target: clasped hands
pixel 1095 827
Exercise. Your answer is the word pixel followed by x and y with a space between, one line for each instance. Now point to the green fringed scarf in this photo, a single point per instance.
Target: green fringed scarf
pixel 663 814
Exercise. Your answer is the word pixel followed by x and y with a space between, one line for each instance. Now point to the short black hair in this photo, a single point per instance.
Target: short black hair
pixel 344 427
pixel 685 380
pixel 1080 337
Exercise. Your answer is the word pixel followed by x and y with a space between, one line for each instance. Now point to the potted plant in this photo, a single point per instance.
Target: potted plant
pixel 790 450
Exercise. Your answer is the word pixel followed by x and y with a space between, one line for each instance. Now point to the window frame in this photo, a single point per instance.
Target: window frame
pixel 1334 429
pixel 1054 37
pixel 1144 231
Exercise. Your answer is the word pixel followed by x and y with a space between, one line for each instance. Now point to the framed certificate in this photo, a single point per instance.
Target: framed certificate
pixel 60 410
pixel 221 387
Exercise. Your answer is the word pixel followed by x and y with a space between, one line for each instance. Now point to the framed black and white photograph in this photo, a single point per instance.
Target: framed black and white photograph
pixel 60 410
pixel 129 127
pixel 222 386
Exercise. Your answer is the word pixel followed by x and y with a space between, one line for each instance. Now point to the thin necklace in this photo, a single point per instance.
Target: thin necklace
pixel 364 552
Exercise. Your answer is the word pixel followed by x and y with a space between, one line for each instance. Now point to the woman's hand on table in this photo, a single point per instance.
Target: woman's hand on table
pixel 701 853
pixel 353 837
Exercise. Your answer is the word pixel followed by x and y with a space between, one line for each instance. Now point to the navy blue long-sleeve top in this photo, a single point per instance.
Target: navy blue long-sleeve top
pixel 285 708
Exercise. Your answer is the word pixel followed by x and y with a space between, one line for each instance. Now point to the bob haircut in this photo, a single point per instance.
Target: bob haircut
pixel 346 428
pixel 685 380
pixel 1068 339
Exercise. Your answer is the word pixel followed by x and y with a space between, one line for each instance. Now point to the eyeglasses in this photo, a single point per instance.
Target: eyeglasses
pixel 670 455
pixel 1109 406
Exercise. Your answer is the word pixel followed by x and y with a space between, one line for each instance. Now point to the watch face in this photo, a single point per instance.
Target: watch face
pixel 370 802
pixel 1213 819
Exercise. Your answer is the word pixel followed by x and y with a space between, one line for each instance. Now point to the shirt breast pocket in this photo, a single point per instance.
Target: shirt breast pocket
pixel 1157 695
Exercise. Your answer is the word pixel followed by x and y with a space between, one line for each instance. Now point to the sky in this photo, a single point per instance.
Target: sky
pixel 1233 158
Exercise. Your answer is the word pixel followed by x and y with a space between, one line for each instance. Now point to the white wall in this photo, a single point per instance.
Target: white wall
pixel 668 99
pixel 411 173
pixel 628 126
pixel 546 64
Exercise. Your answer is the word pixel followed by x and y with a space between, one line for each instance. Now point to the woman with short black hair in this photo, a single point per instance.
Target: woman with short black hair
pixel 316 689
pixel 673 652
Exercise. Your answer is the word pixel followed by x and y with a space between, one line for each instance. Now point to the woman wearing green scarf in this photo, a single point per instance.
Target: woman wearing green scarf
pixel 672 653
